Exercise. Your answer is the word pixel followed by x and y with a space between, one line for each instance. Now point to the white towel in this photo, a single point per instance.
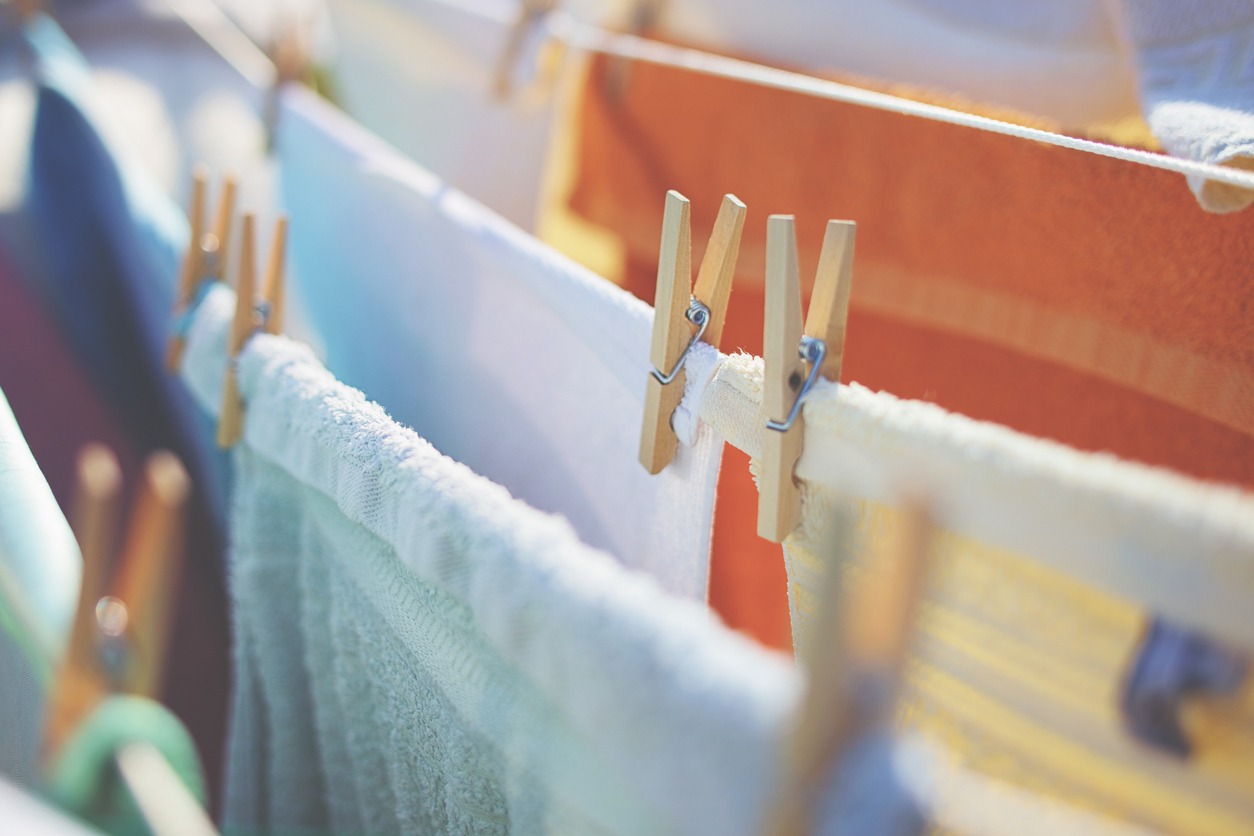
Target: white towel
pixel 502 353
pixel 40 572
pixel 1197 85
pixel 1048 564
pixel 457 661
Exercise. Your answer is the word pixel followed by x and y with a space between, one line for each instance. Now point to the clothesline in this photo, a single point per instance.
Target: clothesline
pixel 218 31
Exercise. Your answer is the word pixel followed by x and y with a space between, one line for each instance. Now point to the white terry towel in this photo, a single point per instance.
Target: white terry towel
pixel 502 353
pixel 420 653
pixel 1197 85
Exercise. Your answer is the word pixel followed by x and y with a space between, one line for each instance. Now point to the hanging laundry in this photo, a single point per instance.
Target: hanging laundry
pixel 419 652
pixel 1066 295
pixel 1051 565
pixel 422 75
pixel 40 568
pixel 112 240
pixel 503 354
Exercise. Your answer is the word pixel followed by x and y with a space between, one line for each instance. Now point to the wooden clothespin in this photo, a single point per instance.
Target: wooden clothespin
pixel 854 661
pixel 678 310
pixel 786 350
pixel 134 617
pixel 81 684
pixel 249 314
pixel 529 14
pixel 152 560
pixel 206 253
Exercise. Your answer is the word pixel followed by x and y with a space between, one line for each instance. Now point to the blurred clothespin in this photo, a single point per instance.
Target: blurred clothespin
pixel 119 641
pixel 678 309
pixel 854 665
pixel 251 314
pixel 206 257
pixel 787 350
pixel 530 14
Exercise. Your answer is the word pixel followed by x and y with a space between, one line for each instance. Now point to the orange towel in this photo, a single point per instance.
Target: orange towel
pixel 1063 294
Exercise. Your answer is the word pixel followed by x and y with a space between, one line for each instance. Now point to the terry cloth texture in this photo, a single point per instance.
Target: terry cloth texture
pixel 421 75
pixel 417 652
pixel 40 570
pixel 1049 563
pixel 1197 85
pixel 1064 295
pixel 502 353
pixel 112 241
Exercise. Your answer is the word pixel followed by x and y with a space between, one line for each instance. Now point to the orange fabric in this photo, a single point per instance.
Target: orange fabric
pixel 1064 294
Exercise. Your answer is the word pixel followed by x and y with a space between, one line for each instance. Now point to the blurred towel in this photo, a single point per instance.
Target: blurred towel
pixel 1197 85
pixel 40 570
pixel 1048 563
pixel 505 355
pixel 27 815
pixel 420 653
pixel 420 74
pixel 112 242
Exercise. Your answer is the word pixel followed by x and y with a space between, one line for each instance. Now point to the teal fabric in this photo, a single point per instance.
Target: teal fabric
pixel 40 573
pixel 84 778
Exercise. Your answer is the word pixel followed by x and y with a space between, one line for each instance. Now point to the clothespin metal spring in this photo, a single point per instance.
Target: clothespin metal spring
pixel 812 350
pixel 699 315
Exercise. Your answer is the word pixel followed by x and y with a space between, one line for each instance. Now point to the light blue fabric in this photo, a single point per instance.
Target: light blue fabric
pixel 40 573
pixel 112 241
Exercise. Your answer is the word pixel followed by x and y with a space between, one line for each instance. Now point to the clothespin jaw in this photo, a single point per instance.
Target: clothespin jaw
pixel 80 683
pixel 251 313
pixel 854 663
pixel 152 559
pixel 272 292
pixel 678 310
pixel 231 418
pixel 206 253
pixel 786 350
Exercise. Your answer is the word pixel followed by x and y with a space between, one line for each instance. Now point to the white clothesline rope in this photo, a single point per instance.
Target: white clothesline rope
pixel 213 25
pixel 594 39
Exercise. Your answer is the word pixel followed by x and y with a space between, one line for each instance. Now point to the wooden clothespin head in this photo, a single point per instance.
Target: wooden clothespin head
pixel 80 683
pixel 683 316
pixel 787 348
pixel 152 560
pixel 251 314
pixel 206 255
pixel 862 637
pixel 530 14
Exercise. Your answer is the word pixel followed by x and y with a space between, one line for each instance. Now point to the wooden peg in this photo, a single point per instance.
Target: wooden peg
pixel 231 418
pixel 671 333
pixel 853 664
pixel 80 684
pixel 671 329
pixel 779 499
pixel 206 253
pixel 272 286
pixel 152 559
pixel 718 266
